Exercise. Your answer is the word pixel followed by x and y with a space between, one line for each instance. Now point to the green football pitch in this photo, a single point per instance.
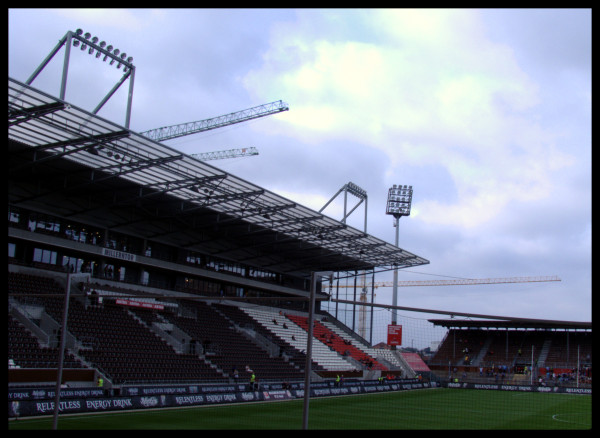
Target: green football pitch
pixel 417 409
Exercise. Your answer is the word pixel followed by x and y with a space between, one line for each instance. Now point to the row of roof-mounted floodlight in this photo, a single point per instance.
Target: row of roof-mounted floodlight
pixel 115 54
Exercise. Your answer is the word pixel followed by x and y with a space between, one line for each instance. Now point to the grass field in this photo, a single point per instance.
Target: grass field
pixel 419 409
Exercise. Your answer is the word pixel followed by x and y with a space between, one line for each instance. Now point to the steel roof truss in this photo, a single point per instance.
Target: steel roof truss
pixel 20 115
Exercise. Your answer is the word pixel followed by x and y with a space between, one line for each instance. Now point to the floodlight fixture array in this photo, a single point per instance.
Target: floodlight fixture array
pixel 399 200
pixel 83 41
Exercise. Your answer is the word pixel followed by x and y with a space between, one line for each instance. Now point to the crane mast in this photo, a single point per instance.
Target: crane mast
pixel 183 129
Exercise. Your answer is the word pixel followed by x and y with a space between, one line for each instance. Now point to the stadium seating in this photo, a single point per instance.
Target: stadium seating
pixel 514 349
pixel 296 337
pixel 25 351
pixel 131 345
pixel 121 344
pixel 259 322
pixel 338 344
pixel 229 349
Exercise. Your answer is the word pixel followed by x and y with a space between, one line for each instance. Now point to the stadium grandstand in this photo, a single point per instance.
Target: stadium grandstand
pixel 545 353
pixel 177 271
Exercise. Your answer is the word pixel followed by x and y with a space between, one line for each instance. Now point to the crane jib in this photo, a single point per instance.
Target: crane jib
pixel 183 129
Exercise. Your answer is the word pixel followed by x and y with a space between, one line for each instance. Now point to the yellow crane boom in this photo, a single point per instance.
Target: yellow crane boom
pixel 468 281
pixel 460 282
pixel 454 282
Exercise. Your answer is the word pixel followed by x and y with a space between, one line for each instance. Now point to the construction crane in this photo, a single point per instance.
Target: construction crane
pixel 362 311
pixel 183 129
pixel 231 153
pixel 462 281
pixel 362 326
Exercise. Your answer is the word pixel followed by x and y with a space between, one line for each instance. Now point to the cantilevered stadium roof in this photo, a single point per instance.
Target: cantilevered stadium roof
pixel 512 324
pixel 68 162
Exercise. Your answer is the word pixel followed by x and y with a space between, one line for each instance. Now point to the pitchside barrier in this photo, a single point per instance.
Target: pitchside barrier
pixel 522 388
pixel 35 402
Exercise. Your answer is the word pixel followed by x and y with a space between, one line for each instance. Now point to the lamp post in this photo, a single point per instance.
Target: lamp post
pixel 398 205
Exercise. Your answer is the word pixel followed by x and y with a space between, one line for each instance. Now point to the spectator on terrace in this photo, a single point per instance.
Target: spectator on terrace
pixel 94 298
pixel 100 383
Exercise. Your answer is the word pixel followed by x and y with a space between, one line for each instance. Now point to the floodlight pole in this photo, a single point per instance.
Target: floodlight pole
pixel 47 60
pixel 398 205
pixel 63 82
pixel 395 288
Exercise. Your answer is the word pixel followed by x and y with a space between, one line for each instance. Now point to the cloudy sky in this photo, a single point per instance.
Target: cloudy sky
pixel 486 113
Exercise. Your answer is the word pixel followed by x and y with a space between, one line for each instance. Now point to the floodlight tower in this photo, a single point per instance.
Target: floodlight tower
pixel 398 205
pixel 86 41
